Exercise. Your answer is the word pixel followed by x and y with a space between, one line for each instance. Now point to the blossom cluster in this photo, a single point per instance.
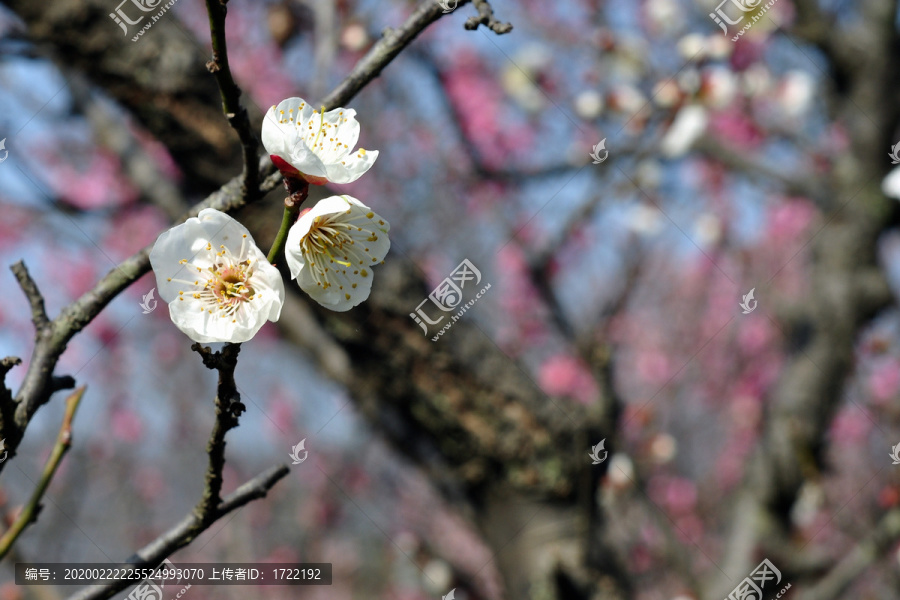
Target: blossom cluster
pixel 219 285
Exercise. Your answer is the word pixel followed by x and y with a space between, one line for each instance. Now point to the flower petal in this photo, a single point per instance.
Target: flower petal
pixel 347 282
pixel 304 160
pixel 352 167
pixel 347 126
pixel 223 229
pixel 279 129
pixel 339 135
pixel 199 324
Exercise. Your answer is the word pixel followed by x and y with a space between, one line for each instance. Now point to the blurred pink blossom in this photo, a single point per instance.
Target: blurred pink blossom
pixel 689 528
pixel 789 219
pixel 746 411
pixel 850 426
pixel 133 229
pixel 75 273
pixel 158 153
pixel 150 483
pixel 730 464
pixel 641 559
pixel 281 409
pixel 13 225
pixel 479 105
pixel 884 380
pixel 261 68
pixel 654 366
pixel 167 344
pixel 563 375
pixel 125 424
pixel 526 325
pixel 483 197
pixel 98 185
pixel 754 335
pixel 676 494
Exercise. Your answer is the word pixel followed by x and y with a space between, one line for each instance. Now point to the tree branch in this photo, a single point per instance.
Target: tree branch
pixel 35 299
pixel 211 506
pixel 7 404
pixel 392 42
pixel 742 162
pixel 187 530
pixel 228 408
pixel 231 97
pixel 29 513
pixel 842 576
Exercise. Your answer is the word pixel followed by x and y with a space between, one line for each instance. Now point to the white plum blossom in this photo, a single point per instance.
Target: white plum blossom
pixel 692 47
pixel 219 286
pixel 796 93
pixel 891 184
pixel 315 146
pixel 719 87
pixel 589 104
pixel 331 250
pixel 688 127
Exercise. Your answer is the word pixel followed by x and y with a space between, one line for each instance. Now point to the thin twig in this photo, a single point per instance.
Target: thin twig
pixel 392 42
pixel 836 583
pixel 803 183
pixel 228 408
pixel 486 17
pixel 30 511
pixel 231 97
pixel 35 299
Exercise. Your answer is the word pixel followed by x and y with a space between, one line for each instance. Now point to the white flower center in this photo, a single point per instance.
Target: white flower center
pixel 331 240
pixel 225 286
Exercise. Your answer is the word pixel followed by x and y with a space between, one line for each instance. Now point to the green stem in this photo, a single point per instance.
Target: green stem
pixel 298 190
pixel 30 511
pixel 288 219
